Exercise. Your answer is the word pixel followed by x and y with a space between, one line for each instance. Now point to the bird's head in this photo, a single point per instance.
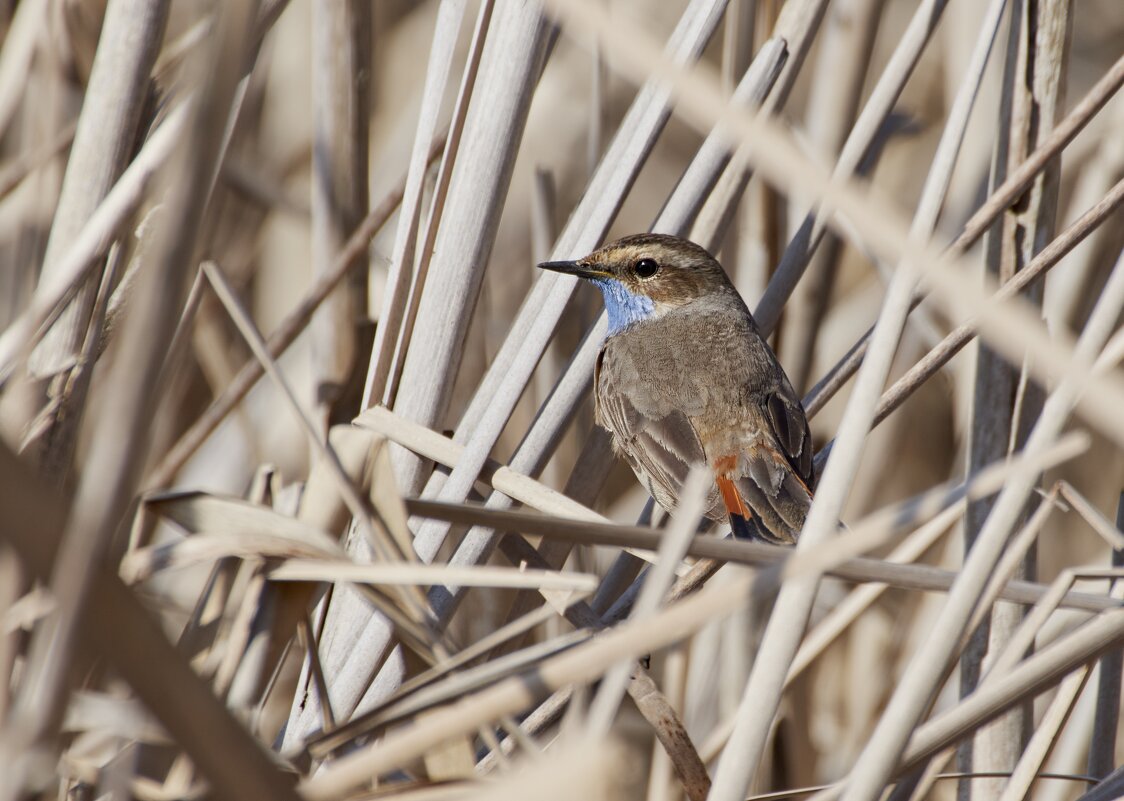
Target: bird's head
pixel 645 276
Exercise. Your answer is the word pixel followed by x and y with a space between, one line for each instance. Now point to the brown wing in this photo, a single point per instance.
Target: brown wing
pixel 660 448
pixel 790 431
pixel 773 476
pixel 769 476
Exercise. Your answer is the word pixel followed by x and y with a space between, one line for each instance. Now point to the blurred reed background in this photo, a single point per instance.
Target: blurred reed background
pixel 300 492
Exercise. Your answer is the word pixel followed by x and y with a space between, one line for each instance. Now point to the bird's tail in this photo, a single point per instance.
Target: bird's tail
pixel 762 509
pixel 742 522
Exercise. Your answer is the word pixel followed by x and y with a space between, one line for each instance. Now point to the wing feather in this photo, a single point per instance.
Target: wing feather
pixel 775 478
pixel 660 448
pixel 790 431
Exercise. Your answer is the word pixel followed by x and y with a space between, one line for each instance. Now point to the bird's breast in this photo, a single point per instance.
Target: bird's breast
pixel 708 366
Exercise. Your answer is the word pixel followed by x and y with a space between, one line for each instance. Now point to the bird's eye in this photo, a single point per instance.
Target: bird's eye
pixel 646 268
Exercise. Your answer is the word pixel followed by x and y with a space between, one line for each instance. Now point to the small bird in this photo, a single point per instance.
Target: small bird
pixel 684 377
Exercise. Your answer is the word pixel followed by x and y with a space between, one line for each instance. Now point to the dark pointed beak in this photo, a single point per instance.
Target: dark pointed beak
pixel 575 268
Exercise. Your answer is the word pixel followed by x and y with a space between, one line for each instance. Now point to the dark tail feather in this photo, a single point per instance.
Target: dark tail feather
pixel 744 528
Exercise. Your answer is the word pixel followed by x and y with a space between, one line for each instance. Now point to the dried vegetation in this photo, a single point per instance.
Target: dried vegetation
pixel 300 494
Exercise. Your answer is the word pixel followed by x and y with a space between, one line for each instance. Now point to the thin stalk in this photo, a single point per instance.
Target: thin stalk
pixel 119 446
pixel 279 341
pixel 341 69
pixel 914 693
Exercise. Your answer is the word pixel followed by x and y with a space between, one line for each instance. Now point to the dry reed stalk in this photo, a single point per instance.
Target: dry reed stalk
pixel 1102 747
pixel 1033 758
pixel 449 16
pixel 510 63
pixel 284 336
pixel 428 241
pixel 1005 403
pixel 107 128
pixel 342 38
pixel 118 628
pixel 905 576
pixel 512 367
pixel 103 223
pixel 108 481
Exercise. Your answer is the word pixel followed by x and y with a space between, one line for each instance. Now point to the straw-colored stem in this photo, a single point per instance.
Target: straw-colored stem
pixel 859 142
pixel 341 71
pixel 512 367
pixel 116 456
pixel 279 341
pixel 119 83
pixel 509 68
pixel 915 692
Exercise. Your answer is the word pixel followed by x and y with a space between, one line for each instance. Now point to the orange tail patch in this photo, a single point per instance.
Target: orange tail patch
pixel 731 498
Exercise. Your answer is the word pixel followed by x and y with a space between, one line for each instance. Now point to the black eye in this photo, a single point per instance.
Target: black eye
pixel 646 268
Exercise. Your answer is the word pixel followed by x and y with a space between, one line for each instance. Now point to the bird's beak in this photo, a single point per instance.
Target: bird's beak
pixel 575 268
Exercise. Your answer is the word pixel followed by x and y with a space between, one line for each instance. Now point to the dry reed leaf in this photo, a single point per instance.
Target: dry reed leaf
pixel 410 700
pixel 337 570
pixel 200 511
pixel 143 563
pixel 916 577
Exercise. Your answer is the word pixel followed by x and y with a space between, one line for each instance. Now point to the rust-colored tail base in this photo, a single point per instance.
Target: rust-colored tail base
pixel 742 523
pixel 731 498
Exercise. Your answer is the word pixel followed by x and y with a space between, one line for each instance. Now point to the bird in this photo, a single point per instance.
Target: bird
pixel 685 378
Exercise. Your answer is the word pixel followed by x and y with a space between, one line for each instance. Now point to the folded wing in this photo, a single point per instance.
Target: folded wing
pixel 660 448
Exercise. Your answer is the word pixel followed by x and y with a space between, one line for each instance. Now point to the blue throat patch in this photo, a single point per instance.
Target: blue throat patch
pixel 623 307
